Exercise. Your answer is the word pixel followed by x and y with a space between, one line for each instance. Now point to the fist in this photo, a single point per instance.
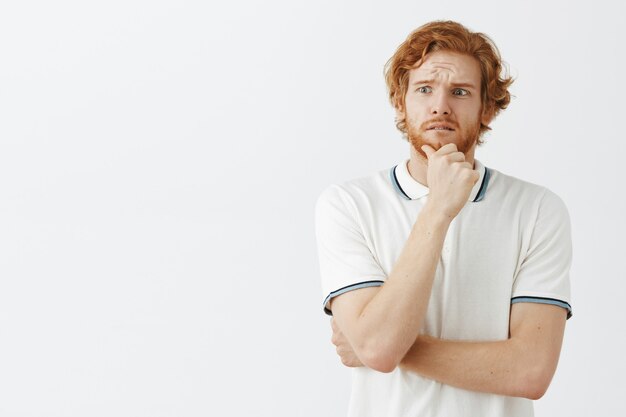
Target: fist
pixel 450 179
pixel 344 350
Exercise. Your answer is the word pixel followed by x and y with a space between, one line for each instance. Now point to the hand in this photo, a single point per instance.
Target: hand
pixel 344 350
pixel 450 178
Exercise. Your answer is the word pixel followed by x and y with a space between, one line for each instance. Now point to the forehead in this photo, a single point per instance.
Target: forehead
pixel 447 66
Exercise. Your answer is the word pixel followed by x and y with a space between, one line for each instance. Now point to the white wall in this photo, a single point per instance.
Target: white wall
pixel 159 165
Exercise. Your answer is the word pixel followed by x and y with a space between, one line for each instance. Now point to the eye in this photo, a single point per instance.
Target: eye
pixel 460 92
pixel 424 89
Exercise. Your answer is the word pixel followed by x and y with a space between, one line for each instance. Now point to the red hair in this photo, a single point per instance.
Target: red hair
pixel 449 36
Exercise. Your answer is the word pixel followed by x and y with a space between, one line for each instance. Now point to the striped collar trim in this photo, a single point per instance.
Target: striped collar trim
pixel 410 189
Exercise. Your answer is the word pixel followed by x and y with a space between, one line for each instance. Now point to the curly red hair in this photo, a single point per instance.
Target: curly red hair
pixel 451 36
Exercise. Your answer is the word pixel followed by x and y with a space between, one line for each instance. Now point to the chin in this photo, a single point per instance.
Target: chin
pixel 434 143
pixel 441 137
pixel 437 140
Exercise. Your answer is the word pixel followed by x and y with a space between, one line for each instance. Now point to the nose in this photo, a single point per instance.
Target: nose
pixel 440 105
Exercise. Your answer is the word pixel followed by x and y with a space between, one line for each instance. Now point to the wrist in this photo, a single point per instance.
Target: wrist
pixel 436 214
pixel 419 347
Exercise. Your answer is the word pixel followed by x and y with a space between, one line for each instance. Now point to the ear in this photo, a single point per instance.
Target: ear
pixel 487 116
pixel 399 108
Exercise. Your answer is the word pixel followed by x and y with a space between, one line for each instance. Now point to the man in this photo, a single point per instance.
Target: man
pixel 447 281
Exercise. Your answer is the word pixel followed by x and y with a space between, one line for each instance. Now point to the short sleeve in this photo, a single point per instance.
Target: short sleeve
pixel 345 259
pixel 543 276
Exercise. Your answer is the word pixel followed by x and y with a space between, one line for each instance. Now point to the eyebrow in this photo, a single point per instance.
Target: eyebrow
pixel 467 85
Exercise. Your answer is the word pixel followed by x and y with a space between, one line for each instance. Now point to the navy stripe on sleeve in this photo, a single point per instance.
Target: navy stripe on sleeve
pixel 359 285
pixel 544 300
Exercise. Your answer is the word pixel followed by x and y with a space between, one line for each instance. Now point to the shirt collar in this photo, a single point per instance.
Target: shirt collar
pixel 410 189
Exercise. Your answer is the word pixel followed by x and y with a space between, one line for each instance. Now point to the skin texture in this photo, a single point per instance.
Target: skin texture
pixel 521 366
pixel 381 326
pixel 376 327
pixel 444 88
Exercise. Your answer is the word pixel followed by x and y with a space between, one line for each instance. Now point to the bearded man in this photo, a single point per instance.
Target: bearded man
pixel 447 281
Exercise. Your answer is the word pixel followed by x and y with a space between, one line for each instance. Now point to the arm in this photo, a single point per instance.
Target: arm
pixel 521 366
pixel 382 323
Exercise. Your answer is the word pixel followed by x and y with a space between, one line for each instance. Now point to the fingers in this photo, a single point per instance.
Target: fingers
pixel 348 358
pixel 428 150
pixel 343 348
pixel 469 172
pixel 456 157
pixel 448 152
pixel 447 149
pixel 337 336
pixel 467 165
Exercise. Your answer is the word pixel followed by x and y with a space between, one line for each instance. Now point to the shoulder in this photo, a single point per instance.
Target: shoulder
pixel 356 192
pixel 516 191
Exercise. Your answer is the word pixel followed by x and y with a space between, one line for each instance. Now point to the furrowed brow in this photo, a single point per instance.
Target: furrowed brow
pixel 465 85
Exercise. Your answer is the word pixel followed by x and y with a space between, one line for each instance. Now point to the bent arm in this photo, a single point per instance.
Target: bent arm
pixel 382 323
pixel 521 366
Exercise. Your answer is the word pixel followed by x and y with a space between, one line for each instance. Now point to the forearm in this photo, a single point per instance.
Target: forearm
pixel 499 367
pixel 392 319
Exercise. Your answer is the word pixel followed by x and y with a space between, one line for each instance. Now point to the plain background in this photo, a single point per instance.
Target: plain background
pixel 159 166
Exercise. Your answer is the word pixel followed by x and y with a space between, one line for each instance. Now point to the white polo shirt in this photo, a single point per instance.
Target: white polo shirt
pixel 510 243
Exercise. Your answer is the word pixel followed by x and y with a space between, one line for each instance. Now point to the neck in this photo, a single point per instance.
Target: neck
pixel 418 164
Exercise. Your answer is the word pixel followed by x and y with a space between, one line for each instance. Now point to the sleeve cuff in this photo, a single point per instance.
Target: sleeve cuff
pixel 544 300
pixel 358 285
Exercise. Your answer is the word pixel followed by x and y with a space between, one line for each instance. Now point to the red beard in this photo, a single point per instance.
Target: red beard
pixel 463 138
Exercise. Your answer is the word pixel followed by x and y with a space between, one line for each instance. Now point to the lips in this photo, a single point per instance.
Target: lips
pixel 440 126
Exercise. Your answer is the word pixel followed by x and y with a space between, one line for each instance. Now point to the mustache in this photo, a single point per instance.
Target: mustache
pixel 424 126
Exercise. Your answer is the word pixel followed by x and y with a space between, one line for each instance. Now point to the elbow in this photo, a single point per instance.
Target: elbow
pixel 380 364
pixel 536 383
pixel 380 359
pixel 535 393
